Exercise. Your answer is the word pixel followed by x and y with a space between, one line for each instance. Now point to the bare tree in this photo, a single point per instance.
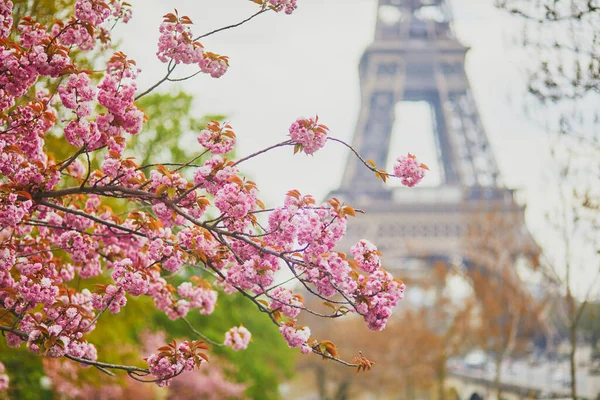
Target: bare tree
pixel 508 314
pixel 564 84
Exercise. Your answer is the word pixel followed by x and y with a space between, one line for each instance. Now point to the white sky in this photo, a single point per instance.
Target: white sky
pixel 285 66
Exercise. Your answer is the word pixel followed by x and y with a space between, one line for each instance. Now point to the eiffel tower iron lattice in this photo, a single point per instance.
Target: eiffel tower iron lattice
pixel 416 57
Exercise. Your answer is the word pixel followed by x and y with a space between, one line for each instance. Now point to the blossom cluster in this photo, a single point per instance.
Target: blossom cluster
pixel 174 359
pixel 288 6
pixel 217 138
pixel 87 27
pixel 3 378
pixel 366 255
pixel 285 300
pixel 6 20
pixel 176 44
pixel 238 338
pixel 409 170
pixel 296 336
pixel 308 135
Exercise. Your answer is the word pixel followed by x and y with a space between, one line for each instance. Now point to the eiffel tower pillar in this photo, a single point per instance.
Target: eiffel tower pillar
pixel 415 56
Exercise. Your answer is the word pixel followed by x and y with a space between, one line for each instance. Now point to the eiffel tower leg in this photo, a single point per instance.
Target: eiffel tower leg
pixel 372 144
pixel 476 159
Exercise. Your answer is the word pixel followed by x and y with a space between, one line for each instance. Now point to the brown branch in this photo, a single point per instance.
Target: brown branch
pixel 64 164
pixel 99 364
pixel 286 143
pixel 170 70
pixel 232 26
pixel 95 219
pixel 369 166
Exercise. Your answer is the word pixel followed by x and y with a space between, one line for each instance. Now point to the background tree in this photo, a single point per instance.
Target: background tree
pixel 508 315
pixel 563 38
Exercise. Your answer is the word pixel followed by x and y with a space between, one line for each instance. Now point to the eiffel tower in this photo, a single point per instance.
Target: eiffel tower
pixel 416 57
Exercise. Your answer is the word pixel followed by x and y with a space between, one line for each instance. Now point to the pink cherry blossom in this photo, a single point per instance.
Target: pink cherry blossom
pixel 175 43
pixel 284 5
pixel 309 135
pixel 296 337
pixel 91 11
pixel 237 338
pixel 409 170
pixel 77 94
pixel 3 378
pixel 175 359
pixel 289 304
pixel 6 20
pixel 366 255
pixel 218 139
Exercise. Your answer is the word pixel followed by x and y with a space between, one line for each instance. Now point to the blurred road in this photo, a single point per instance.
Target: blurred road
pixel 549 377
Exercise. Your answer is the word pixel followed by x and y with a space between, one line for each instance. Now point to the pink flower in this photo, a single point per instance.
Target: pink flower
pixel 80 132
pixel 214 174
pixel 3 378
pixel 175 43
pixel 175 359
pixel 366 255
pixel 289 304
pixel 409 170
pixel 6 21
pixel 309 135
pixel 91 11
pixel 383 292
pixel 31 34
pixel 218 139
pixel 214 64
pixel 202 298
pixel 238 338
pixel 114 299
pixel 132 281
pixel 284 5
pixel 235 201
pixel 77 93
pixel 296 337
pixel 13 340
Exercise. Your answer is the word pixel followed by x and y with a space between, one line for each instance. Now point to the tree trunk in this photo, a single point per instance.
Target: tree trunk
pixel 498 376
pixel 573 334
pixel 321 383
pixel 441 379
pixel 342 392
pixel 410 390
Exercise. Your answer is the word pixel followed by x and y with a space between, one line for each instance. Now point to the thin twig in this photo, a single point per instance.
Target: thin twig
pixel 201 335
pixel 286 143
pixel 232 26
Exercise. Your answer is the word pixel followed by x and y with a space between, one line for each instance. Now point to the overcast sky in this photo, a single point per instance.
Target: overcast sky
pixel 283 67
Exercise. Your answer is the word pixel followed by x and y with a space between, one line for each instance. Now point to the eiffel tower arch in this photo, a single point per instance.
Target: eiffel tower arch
pixel 415 56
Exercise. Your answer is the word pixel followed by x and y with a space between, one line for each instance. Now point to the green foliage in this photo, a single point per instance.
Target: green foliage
pixel 43 11
pixel 25 372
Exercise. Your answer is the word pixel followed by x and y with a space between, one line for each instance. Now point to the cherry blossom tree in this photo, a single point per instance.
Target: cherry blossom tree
pixel 60 232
